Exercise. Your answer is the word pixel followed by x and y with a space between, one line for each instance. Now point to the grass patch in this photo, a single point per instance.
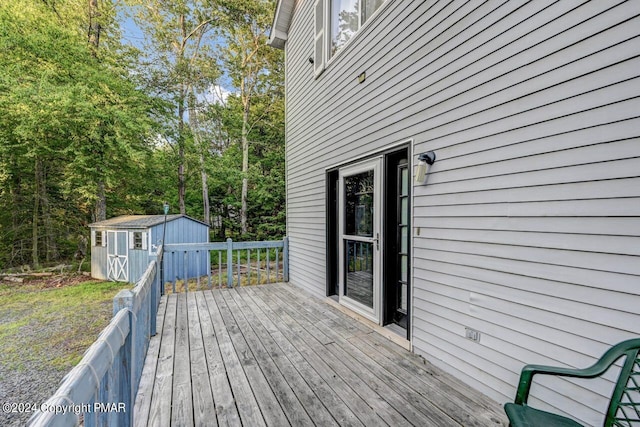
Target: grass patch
pixel 53 327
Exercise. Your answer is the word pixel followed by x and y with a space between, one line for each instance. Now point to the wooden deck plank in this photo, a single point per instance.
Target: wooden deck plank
pixel 246 403
pixel 391 374
pixel 160 411
pixel 347 409
pixel 412 405
pixel 275 355
pixel 393 387
pixel 448 394
pixel 445 397
pixel 310 403
pixel 378 395
pixel 226 411
pixel 182 400
pixel 203 404
pixel 142 406
pixel 269 399
pixel 309 335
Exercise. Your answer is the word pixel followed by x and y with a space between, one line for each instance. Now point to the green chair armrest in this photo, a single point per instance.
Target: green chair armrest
pixel 526 377
pixel 595 370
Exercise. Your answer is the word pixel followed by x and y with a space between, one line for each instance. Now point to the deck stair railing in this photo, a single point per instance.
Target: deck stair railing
pixel 200 266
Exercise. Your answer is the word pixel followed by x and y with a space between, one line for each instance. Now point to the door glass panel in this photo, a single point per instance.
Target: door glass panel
pixel 359 271
pixel 404 210
pixel 404 186
pixel 402 272
pixel 404 242
pixel 358 195
pixel 403 268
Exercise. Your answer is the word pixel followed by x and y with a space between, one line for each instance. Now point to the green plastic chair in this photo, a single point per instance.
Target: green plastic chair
pixel 624 407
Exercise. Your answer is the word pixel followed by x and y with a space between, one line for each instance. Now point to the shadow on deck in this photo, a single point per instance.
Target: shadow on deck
pixel 274 355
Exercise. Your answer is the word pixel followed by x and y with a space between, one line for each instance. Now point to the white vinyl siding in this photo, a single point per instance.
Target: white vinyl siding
pixel 528 228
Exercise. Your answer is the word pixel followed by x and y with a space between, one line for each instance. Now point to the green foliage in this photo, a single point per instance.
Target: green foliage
pixel 72 118
pixel 79 120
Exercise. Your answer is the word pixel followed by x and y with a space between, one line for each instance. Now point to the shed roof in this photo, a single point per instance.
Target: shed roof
pixel 139 221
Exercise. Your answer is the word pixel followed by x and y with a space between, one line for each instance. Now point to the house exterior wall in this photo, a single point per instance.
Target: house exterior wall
pixel 528 227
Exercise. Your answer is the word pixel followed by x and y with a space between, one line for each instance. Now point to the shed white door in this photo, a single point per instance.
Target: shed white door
pixel 359 246
pixel 117 256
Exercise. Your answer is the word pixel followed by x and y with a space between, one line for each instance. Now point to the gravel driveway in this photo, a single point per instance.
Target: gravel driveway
pixel 45 327
pixel 33 385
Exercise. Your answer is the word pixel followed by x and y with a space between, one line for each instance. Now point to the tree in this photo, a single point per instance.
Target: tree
pixel 249 62
pixel 71 120
pixel 180 65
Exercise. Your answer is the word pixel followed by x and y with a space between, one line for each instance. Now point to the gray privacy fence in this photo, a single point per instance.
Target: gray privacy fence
pixel 102 388
pixel 191 266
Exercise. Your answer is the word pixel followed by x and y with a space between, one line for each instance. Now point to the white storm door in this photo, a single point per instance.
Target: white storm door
pixel 117 256
pixel 359 238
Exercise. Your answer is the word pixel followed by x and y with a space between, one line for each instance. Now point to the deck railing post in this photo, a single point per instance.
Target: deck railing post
pixel 229 263
pixel 153 309
pixel 285 259
pixel 161 270
pixel 124 300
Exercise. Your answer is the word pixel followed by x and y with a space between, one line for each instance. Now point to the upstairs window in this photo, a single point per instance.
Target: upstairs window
pixel 347 16
pixel 335 23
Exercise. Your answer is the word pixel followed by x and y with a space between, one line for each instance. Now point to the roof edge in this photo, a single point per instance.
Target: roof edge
pixel 281 21
pixel 131 221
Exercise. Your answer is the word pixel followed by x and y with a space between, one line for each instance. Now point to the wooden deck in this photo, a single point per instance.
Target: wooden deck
pixel 273 355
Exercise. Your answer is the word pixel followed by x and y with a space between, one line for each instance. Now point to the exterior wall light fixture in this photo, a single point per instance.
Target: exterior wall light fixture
pixel 424 159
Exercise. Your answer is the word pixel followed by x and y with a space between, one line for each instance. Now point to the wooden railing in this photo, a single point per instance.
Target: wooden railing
pixel 102 388
pixel 200 266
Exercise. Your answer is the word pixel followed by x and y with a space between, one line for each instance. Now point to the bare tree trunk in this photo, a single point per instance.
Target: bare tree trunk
pixel 94 25
pixel 182 185
pixel 202 149
pixel 245 167
pixel 49 233
pixel 205 192
pixel 35 260
pixel 15 189
pixel 100 210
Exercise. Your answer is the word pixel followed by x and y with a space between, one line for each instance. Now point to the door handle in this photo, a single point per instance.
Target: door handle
pixel 377 239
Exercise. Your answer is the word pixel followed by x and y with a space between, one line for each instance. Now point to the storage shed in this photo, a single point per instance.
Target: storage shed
pixel 122 247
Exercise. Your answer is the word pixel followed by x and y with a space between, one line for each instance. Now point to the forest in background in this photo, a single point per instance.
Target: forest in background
pixel 95 125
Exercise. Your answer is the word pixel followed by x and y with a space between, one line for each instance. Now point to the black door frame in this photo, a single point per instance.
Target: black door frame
pixel 392 157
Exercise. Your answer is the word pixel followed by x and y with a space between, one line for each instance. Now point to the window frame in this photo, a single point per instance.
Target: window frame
pixel 98 238
pixel 328 58
pixel 138 240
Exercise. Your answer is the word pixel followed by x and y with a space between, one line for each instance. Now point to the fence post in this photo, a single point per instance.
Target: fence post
pixel 124 300
pixel 285 259
pixel 153 305
pixel 229 263
pixel 161 268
